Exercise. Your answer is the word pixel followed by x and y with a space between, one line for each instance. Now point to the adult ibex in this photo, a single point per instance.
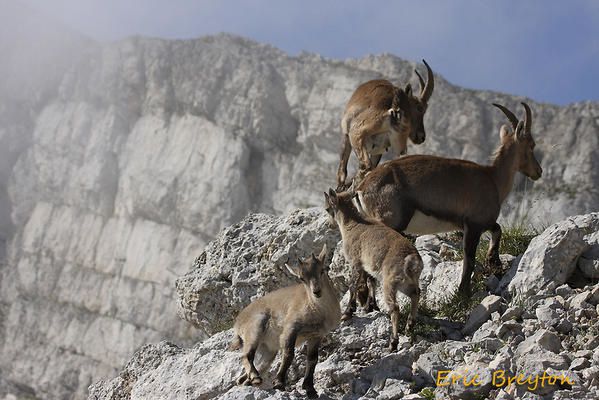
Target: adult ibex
pixel 286 318
pixel 426 194
pixel 381 252
pixel 380 115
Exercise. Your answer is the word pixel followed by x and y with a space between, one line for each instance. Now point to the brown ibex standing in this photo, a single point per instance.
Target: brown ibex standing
pixel 427 194
pixel 381 252
pixel 380 115
pixel 286 318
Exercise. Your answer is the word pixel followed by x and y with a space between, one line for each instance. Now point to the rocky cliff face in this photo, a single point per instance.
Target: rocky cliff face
pixel 117 170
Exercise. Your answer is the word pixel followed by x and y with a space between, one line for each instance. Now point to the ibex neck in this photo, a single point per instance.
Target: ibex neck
pixel 504 168
pixel 346 225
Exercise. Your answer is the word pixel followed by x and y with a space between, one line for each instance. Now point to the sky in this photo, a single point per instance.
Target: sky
pixel 547 50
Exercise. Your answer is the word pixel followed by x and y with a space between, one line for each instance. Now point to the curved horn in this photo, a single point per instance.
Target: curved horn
pixel 422 85
pixel 527 118
pixel 510 115
pixel 426 90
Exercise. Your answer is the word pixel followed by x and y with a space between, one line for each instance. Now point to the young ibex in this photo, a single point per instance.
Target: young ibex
pixel 380 115
pixel 286 318
pixel 427 194
pixel 382 253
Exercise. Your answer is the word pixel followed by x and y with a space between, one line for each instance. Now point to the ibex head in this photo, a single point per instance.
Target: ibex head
pixel 311 271
pixel 521 136
pixel 415 105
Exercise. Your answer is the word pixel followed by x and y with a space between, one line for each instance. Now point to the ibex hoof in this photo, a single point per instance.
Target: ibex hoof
pixel 256 381
pixel 242 379
pixel 393 345
pixel 312 393
pixel 370 307
pixel 494 261
pixel 346 316
pixel 279 385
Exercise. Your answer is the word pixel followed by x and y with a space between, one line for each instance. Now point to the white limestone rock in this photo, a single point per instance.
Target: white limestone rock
pixel 551 257
pixel 247 260
pixel 481 313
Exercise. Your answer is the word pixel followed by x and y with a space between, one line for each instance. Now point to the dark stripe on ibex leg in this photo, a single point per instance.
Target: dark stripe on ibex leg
pixel 493 253
pixel 288 346
pixel 371 301
pixel 471 238
pixel 312 359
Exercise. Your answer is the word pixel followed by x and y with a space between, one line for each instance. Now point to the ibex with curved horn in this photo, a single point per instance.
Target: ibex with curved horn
pixel 426 194
pixel 380 115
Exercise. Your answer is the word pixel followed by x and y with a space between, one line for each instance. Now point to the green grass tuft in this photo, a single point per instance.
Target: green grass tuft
pixel 428 393
pixel 421 328
pixel 514 240
pixel 457 307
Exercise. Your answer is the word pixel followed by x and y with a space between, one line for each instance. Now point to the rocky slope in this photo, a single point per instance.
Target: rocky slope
pixel 120 161
pixel 549 327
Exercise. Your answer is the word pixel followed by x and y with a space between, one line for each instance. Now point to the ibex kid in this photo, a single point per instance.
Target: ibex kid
pixel 380 251
pixel 286 318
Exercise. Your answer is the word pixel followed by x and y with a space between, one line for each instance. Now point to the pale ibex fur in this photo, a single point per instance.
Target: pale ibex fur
pixel 380 115
pixel 286 318
pixel 382 253
pixel 426 194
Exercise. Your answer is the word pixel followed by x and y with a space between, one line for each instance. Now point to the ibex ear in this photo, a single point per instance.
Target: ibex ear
pixel 505 133
pixel 323 253
pixel 408 89
pixel 294 270
pixel 333 196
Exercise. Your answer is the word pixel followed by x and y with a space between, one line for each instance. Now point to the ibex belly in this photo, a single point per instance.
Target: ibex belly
pixel 378 144
pixel 422 224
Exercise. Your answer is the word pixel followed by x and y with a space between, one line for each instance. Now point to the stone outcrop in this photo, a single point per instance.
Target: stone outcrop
pixel 550 331
pixel 247 260
pixel 553 256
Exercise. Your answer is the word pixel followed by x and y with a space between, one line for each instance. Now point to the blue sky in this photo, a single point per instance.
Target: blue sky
pixel 544 49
